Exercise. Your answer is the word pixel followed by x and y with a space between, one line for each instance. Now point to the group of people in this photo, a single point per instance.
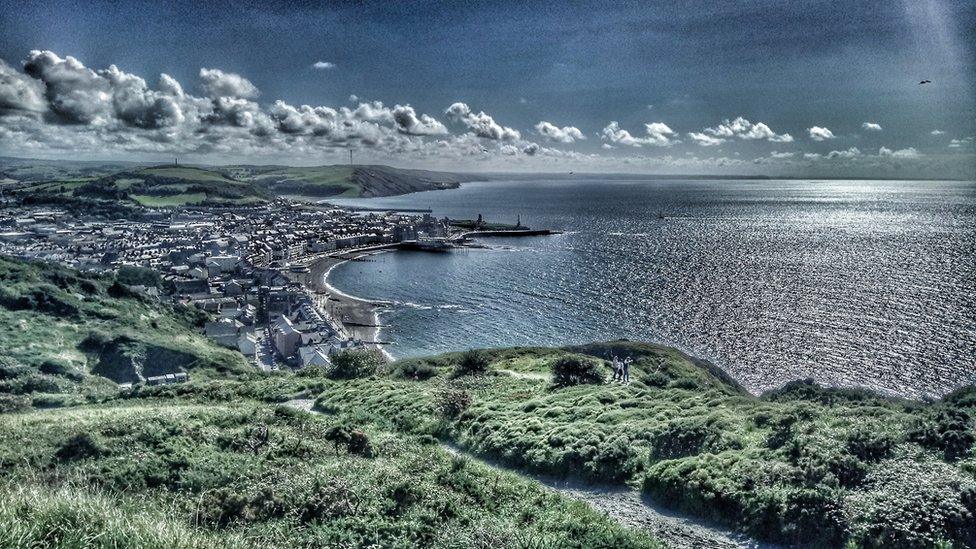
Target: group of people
pixel 621 369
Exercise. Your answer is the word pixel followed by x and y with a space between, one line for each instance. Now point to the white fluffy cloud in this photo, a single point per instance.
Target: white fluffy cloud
pixel 937 132
pixel 481 123
pixel 658 134
pixel 910 152
pixel 849 153
pixel 217 83
pixel 409 123
pixel 871 127
pixel 820 134
pixel 323 65
pixel 742 129
pixel 552 132
pixel 705 140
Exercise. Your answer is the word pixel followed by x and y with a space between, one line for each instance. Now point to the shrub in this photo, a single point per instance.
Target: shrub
pixel 685 437
pixel 473 363
pixel 950 431
pixel 453 402
pixel 359 444
pixel 869 446
pixel 59 368
pixel 80 446
pixel 339 436
pixel 355 363
pixel 415 370
pixel 576 370
pixel 131 275
pixel 12 404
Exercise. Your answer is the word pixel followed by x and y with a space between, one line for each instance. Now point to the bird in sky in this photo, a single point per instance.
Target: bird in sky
pixel 924 82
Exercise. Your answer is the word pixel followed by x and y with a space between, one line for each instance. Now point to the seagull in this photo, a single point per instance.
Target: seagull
pixel 924 82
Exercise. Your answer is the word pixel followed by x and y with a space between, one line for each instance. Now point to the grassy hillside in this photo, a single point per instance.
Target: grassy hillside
pixel 345 181
pixel 65 334
pixel 163 473
pixel 158 186
pixel 800 465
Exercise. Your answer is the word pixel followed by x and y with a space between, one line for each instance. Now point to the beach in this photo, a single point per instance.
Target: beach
pixel 359 317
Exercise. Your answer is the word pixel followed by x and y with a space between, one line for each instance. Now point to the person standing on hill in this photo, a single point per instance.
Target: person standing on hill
pixel 625 370
pixel 617 373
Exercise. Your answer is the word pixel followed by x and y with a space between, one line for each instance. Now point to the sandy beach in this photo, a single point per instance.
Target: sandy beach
pixel 358 316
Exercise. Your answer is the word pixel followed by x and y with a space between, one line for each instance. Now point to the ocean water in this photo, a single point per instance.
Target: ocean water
pixel 851 283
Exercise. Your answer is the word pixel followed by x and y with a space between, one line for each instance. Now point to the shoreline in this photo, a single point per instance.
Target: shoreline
pixel 359 317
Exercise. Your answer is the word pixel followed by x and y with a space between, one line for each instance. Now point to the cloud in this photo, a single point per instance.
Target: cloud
pixel 552 132
pixel 409 123
pixel 811 156
pixel 742 129
pixel 481 124
pixel 870 126
pixel 959 143
pixel 781 155
pixel 217 83
pixel 819 134
pixel 937 132
pixel 19 93
pixel 658 134
pixel 323 65
pixel 849 153
pixel 705 140
pixel 910 152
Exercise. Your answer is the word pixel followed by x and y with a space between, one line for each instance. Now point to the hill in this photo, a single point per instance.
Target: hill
pixel 159 186
pixel 801 465
pixel 69 337
pixel 180 185
pixel 346 181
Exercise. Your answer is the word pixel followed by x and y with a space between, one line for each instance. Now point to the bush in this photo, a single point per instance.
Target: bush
pixel 80 446
pixel 685 437
pixel 453 402
pixel 355 363
pixel 131 275
pixel 473 363
pixel 59 368
pixel 950 431
pixel 415 370
pixel 869 446
pixel 359 444
pixel 12 404
pixel 577 370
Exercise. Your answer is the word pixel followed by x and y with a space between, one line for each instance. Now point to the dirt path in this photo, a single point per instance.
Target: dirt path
pixel 624 505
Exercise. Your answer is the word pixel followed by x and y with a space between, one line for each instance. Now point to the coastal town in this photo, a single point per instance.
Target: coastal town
pixel 258 271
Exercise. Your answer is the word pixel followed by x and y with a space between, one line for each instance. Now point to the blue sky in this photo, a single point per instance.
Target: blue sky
pixel 685 66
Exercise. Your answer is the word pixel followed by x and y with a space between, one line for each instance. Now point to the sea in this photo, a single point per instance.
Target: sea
pixel 851 283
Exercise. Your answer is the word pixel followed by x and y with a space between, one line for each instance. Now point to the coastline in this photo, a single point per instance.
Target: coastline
pixel 359 317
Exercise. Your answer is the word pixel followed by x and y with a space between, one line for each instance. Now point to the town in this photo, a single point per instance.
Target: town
pixel 247 267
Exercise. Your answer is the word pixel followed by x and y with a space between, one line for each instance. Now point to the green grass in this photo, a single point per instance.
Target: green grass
pixel 187 173
pixel 804 464
pixel 59 326
pixel 334 181
pixel 252 474
pixel 168 201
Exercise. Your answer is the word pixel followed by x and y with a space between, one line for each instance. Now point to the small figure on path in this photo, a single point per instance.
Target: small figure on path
pixel 617 369
pixel 625 370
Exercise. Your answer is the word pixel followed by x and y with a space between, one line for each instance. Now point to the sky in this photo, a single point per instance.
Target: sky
pixel 813 88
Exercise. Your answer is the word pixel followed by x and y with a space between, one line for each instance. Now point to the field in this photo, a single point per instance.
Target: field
pixel 150 473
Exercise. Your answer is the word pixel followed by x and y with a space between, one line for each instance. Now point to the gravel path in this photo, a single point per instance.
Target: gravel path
pixel 624 505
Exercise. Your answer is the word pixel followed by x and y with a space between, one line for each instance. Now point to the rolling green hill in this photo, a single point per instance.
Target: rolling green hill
pixel 172 185
pixel 345 181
